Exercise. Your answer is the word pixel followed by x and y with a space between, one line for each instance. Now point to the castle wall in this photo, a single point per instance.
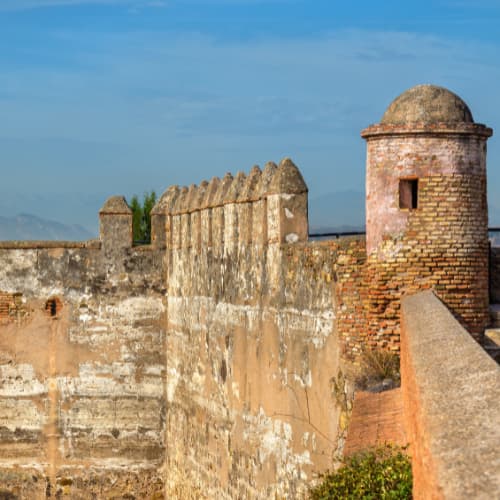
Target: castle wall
pixel 257 399
pixel 216 362
pixel 207 364
pixel 252 360
pixel 212 363
pixel 82 405
pixel 257 402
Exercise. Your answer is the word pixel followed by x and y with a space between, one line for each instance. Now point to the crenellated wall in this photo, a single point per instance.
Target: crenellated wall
pixel 207 364
pixel 252 355
pixel 213 363
pixel 217 362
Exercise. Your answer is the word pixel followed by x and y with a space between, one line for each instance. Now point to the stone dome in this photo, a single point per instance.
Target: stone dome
pixel 427 104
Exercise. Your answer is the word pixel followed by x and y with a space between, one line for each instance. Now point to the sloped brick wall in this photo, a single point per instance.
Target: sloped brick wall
pixel 11 307
pixel 451 396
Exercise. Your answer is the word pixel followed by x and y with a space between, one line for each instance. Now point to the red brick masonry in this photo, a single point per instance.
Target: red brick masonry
pixel 377 418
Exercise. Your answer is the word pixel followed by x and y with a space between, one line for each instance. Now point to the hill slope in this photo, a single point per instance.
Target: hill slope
pixel 31 227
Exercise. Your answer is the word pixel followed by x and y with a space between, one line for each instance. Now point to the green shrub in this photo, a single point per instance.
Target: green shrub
pixel 141 217
pixel 381 473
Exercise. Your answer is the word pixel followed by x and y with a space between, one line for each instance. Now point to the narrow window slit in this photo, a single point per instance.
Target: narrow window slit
pixel 408 194
pixel 53 307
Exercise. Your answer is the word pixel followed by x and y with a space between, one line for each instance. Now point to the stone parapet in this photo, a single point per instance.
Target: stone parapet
pixel 265 207
pixel 115 226
pixel 451 392
pixel 26 245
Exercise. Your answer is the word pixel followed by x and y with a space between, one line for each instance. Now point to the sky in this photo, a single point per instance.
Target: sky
pixel 106 97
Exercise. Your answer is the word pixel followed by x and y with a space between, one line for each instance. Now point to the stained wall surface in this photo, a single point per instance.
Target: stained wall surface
pixel 453 428
pixel 257 402
pixel 211 363
pixel 206 364
pixel 82 369
pixel 442 242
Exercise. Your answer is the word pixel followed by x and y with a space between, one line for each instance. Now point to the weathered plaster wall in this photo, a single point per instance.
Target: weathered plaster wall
pixel 212 363
pixel 250 377
pixel 256 398
pixel 205 365
pixel 82 405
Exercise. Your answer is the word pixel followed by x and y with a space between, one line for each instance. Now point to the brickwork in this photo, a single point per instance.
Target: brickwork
pixel 377 418
pixel 452 261
pixel 440 244
pixel 351 295
pixel 11 307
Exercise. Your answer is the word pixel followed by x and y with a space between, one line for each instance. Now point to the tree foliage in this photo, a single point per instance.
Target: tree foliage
pixel 382 473
pixel 141 216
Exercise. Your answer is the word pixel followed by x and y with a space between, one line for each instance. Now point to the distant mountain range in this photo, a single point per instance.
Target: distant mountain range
pixel 341 211
pixel 31 227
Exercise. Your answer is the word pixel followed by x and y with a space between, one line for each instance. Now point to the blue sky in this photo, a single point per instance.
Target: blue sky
pixel 111 97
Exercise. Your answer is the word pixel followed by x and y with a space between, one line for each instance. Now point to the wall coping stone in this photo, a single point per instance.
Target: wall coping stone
pixel 115 205
pixel 34 245
pixel 428 129
pixel 454 389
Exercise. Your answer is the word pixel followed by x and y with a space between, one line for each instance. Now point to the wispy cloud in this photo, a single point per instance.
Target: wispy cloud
pixel 161 108
pixel 35 4
pixel 129 4
pixel 473 4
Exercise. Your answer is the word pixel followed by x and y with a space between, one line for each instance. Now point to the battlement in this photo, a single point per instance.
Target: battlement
pixel 267 206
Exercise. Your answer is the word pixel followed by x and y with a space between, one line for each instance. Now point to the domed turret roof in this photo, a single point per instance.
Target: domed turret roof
pixel 427 104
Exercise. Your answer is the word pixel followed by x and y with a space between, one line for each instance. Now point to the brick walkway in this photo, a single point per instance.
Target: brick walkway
pixel 376 418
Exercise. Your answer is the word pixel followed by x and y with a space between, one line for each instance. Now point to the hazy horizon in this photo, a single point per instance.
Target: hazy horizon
pixel 105 97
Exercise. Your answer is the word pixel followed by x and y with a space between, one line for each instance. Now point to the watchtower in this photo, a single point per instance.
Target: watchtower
pixel 426 210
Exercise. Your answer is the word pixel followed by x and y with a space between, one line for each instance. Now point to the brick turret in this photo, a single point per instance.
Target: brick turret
pixel 426 210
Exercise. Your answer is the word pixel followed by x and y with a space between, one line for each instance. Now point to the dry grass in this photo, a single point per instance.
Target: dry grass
pixel 379 371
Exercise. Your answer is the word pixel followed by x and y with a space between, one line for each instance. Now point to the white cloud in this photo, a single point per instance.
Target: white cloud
pixel 130 4
pixel 35 4
pixel 150 109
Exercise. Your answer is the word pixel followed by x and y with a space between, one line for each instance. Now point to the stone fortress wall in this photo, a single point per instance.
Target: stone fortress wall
pixel 207 362
pixel 253 356
pixel 82 405
pixel 215 362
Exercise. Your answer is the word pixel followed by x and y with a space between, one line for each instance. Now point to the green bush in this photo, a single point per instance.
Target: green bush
pixel 381 473
pixel 141 217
